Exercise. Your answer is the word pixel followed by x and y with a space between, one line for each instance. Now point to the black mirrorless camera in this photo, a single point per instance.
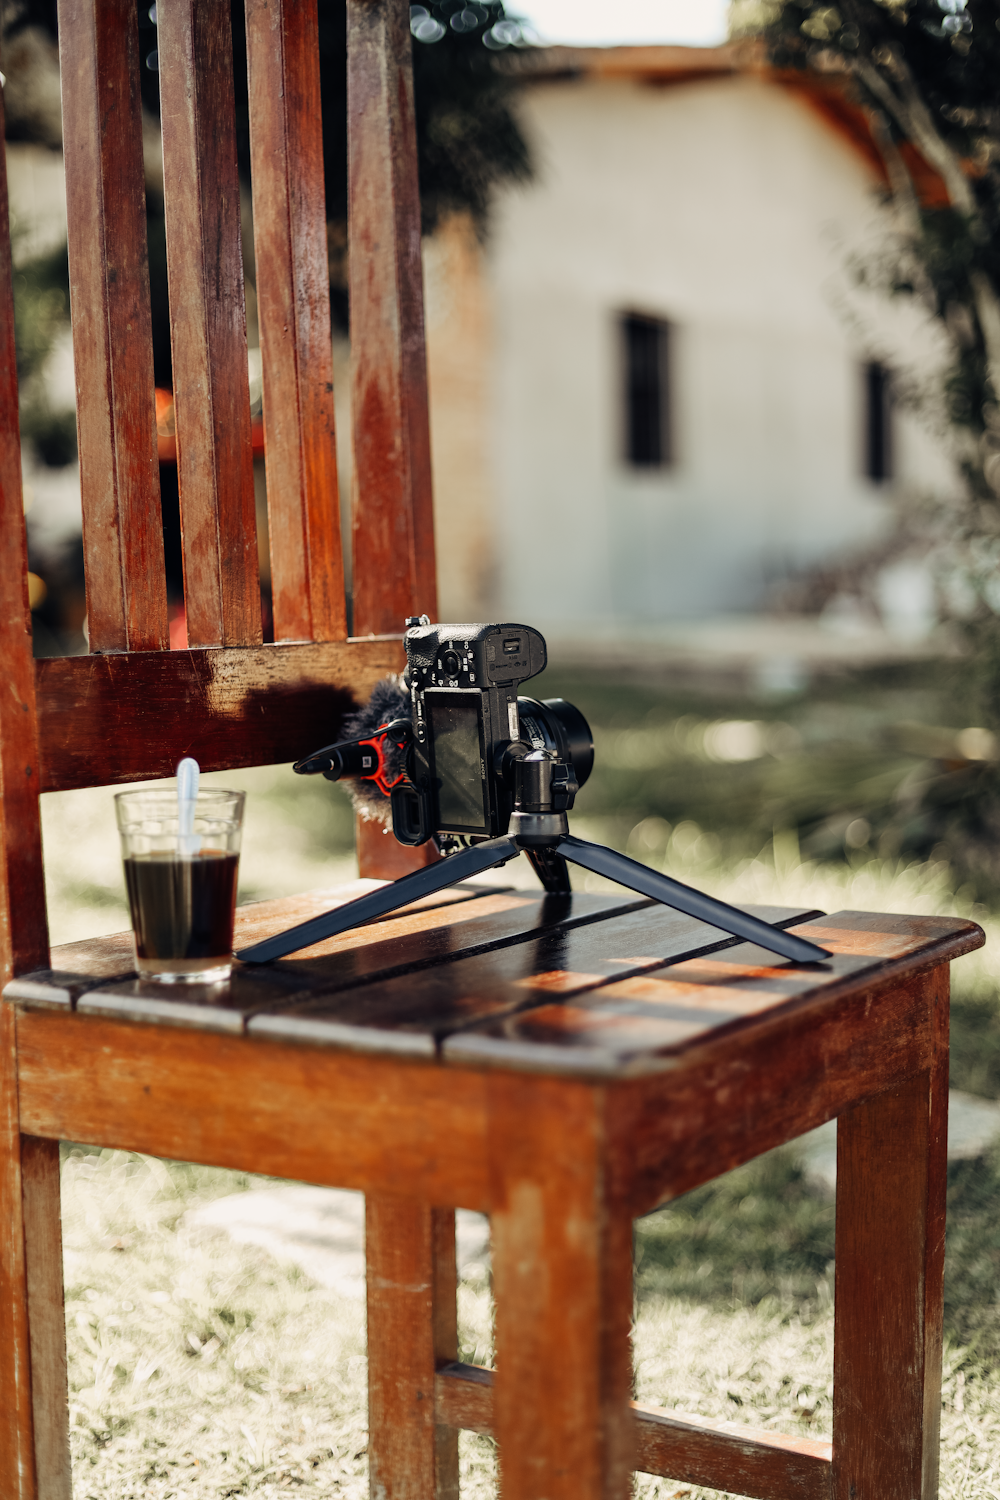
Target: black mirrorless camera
pixel 459 757
pixel 448 759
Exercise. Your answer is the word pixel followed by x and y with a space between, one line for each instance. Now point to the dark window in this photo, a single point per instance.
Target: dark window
pixel 878 422
pixel 647 394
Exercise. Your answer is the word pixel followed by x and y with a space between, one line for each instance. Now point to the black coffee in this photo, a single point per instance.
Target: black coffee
pixel 182 908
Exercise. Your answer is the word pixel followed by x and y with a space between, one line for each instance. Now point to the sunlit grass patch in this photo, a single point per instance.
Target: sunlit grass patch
pixel 198 1367
pixel 201 1368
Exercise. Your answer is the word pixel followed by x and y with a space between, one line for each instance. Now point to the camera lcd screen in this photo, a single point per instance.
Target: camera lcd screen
pixel 456 742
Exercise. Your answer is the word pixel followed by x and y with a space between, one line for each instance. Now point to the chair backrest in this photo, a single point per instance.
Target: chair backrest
pixel 132 707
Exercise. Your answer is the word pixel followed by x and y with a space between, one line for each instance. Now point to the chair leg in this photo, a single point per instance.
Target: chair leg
pixel 562 1278
pixel 47 1316
pixel 17 1447
pixel 891 1184
pixel 412 1326
pixel 34 1434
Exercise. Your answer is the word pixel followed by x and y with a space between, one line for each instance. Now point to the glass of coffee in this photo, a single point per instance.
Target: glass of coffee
pixel 181 882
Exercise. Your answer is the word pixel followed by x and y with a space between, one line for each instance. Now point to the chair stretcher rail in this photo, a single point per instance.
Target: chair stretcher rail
pixel 677 1445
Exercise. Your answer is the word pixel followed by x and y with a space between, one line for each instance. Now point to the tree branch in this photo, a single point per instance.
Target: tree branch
pixel 916 121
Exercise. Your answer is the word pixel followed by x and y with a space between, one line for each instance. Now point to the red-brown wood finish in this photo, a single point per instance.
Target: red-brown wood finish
pixel 17 1447
pixel 444 1268
pixel 112 333
pixel 393 524
pixel 122 718
pixel 381 857
pixel 208 324
pixel 23 928
pixel 892 1160
pixel 293 309
pixel 697 1450
pixel 46 1312
pixel 412 1325
pixel 562 1280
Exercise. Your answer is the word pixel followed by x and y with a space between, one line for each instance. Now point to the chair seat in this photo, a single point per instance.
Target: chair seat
pixel 564 1064
pixel 590 985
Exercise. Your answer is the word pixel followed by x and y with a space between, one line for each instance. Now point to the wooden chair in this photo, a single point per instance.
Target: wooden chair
pixel 499 1051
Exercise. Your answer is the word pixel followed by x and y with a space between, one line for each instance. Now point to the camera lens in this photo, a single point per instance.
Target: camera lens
pixel 554 724
pixel 450 663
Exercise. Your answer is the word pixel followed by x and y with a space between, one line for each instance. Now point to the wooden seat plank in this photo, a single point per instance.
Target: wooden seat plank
pixel 201 194
pixel 112 329
pixel 89 962
pixel 646 1022
pixel 293 310
pixel 396 944
pixel 594 948
pixel 441 963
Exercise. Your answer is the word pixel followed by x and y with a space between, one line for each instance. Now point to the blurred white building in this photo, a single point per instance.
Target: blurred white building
pixel 648 399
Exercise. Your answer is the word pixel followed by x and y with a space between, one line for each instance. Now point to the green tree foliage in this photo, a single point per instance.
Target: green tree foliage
pixel 926 72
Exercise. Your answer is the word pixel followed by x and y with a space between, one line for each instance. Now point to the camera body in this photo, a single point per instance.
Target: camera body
pixel 454 747
pixel 468 720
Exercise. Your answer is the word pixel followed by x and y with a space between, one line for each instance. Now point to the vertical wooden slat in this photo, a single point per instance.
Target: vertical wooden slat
pixel 412 1325
pixel 562 1279
pixel 891 1186
pixel 208 323
pixel 393 523
pixel 24 941
pixel 112 332
pixel 47 1317
pixel 293 309
pixel 23 934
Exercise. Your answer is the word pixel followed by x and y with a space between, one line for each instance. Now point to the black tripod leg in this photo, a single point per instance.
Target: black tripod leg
pixel 629 872
pixel 423 882
pixel 551 869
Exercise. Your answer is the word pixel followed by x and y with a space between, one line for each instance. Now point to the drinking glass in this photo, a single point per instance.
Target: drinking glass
pixel 181 884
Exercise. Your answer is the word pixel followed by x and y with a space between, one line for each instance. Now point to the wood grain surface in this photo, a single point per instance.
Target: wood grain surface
pixel 444 1270
pixel 208 324
pixel 625 1026
pixel 410 1255
pixel 671 1132
pixel 892 1169
pixel 393 522
pixel 676 1445
pixel 47 1318
pixel 112 331
pixel 17 1448
pixel 378 1124
pixel 90 962
pixel 107 719
pixel 565 946
pixel 562 1283
pixel 293 309
pixel 381 857
pixel 24 939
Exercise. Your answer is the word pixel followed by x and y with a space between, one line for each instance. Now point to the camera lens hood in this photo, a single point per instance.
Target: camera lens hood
pixel 561 727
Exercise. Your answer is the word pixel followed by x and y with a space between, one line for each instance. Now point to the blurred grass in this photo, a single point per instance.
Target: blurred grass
pixel 199 1368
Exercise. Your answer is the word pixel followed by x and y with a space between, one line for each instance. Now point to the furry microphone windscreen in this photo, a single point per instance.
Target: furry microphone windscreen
pixel 389 700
